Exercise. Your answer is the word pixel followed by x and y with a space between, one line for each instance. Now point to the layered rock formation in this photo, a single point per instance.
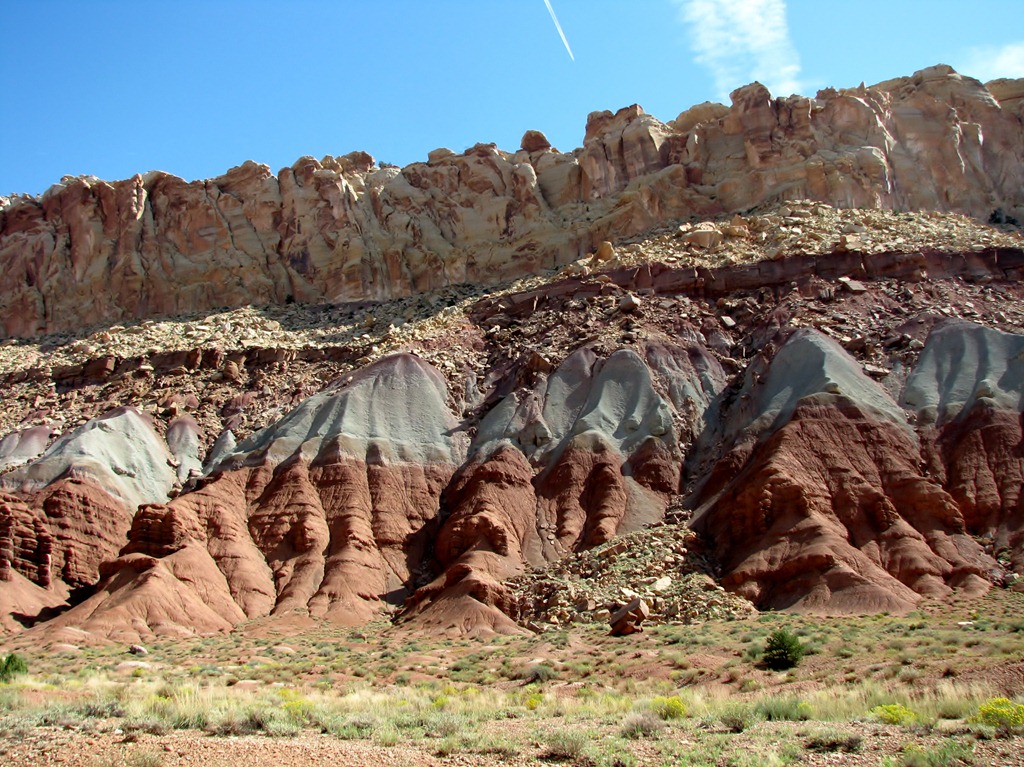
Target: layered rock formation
pixel 812 486
pixel 329 511
pixel 341 229
pixel 585 452
pixel 67 512
pixel 821 503
pixel 830 398
pixel 968 393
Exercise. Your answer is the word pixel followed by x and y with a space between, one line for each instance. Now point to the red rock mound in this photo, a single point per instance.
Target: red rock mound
pixel 832 513
pixel 69 511
pixel 329 512
pixel 821 503
pixel 586 453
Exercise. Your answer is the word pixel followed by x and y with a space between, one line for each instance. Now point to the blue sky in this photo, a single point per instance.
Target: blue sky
pixel 193 87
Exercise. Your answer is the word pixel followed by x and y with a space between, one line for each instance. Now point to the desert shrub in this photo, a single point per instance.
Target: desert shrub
pixel 948 754
pixel 281 728
pixel 297 708
pixel 831 741
pixel 533 701
pixel 232 723
pixel 686 677
pixel 894 713
pixel 12 666
pixel 144 759
pixel 1000 712
pixel 102 708
pixel 350 728
pixel 134 759
pixel 782 650
pixel 10 699
pixel 535 672
pixel 150 725
pixel 784 710
pixel 475 743
pixel 737 717
pixel 258 718
pixel 566 745
pixel 753 651
pixel 448 746
pixel 446 724
pixel 17 727
pixel 644 725
pixel 671 707
pixel 387 736
pixel 64 715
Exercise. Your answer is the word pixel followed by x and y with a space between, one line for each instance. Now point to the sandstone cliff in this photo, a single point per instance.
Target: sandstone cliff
pixel 342 229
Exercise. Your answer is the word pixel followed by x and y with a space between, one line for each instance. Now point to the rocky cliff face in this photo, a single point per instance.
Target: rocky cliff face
pixel 820 408
pixel 839 444
pixel 342 229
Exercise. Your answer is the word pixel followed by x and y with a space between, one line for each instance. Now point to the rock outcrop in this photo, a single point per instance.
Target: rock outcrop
pixel 817 408
pixel 968 394
pixel 329 511
pixel 584 453
pixel 343 229
pixel 820 502
pixel 67 512
pixel 814 489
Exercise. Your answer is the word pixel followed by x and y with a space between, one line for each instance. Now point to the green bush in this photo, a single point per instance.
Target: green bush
pixel 783 650
pixel 671 707
pixel 1000 712
pixel 832 740
pixel 11 666
pixel 784 710
pixel 533 701
pixel 894 713
pixel 737 717
pixel 565 745
pixel 535 672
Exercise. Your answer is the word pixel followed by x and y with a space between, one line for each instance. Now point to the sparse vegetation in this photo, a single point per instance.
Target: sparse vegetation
pixel 642 725
pixel 894 713
pixel 1000 713
pixel 11 666
pixel 692 695
pixel 536 672
pixel 782 650
pixel 737 717
pixel 670 707
pixel 832 741
pixel 566 745
pixel 784 710
pixel 948 754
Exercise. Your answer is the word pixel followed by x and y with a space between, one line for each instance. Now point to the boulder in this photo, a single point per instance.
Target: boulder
pixel 535 141
pixel 629 618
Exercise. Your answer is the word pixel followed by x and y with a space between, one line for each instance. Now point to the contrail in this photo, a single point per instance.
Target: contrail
pixel 558 26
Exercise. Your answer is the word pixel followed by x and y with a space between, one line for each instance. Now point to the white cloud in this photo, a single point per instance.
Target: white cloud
pixel 743 40
pixel 994 61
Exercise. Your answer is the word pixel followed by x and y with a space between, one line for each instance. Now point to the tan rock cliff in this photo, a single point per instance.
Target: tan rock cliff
pixel 341 229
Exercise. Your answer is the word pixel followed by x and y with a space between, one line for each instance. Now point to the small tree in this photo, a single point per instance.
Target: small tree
pixel 11 666
pixel 782 650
